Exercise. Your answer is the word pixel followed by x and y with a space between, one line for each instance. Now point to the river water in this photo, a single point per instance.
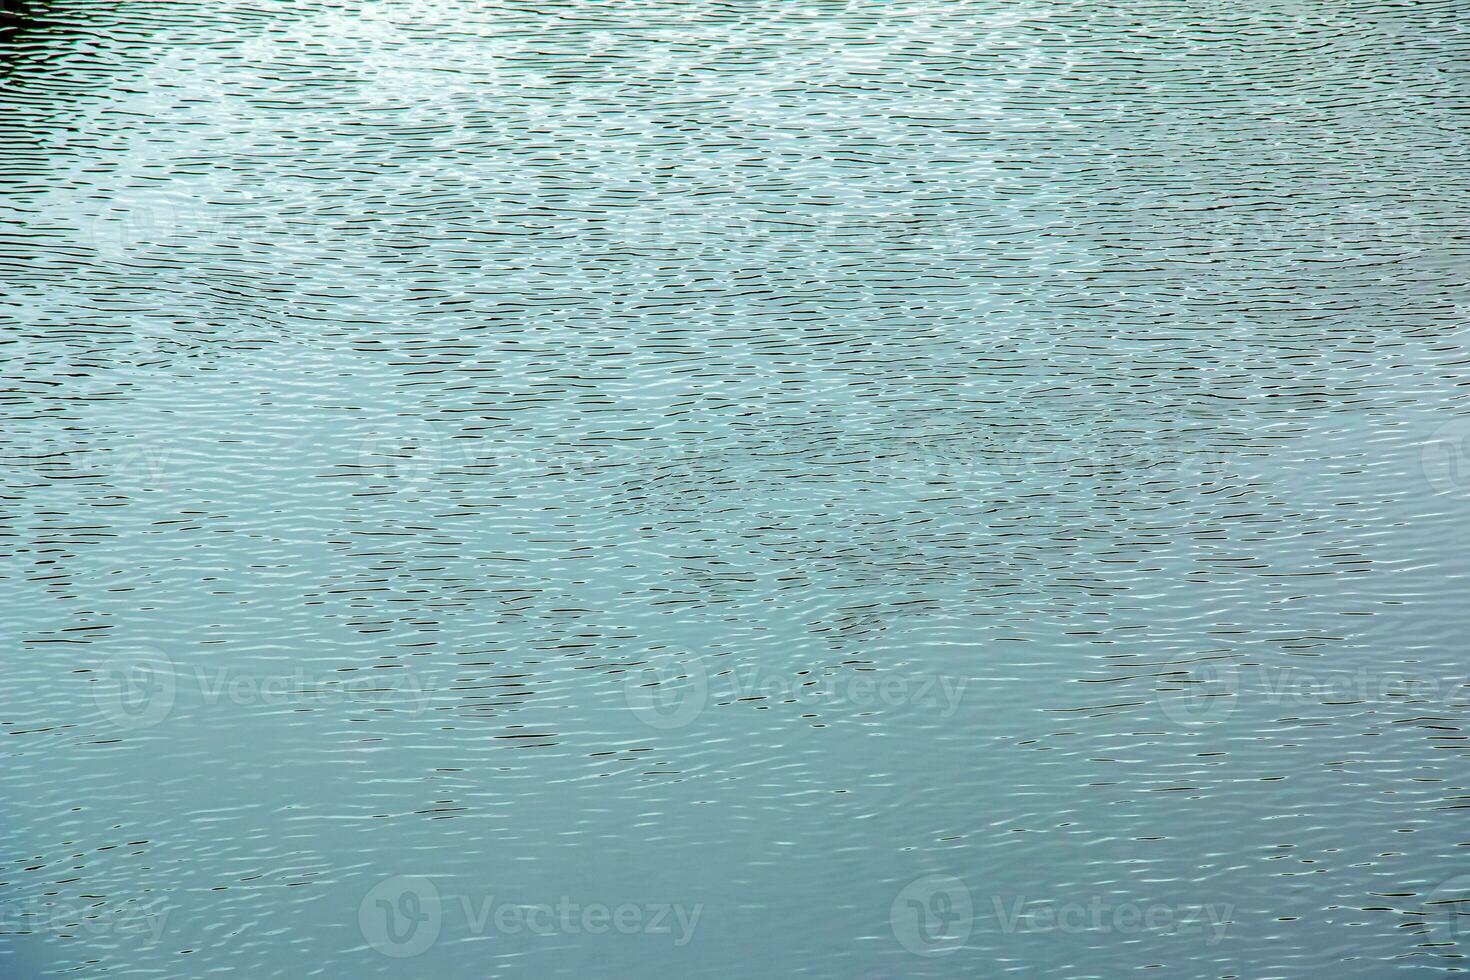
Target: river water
pixel 825 488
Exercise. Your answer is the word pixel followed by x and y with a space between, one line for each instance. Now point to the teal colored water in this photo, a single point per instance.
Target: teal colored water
pixel 734 489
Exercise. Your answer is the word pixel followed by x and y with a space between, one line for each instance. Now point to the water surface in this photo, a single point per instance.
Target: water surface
pixel 830 489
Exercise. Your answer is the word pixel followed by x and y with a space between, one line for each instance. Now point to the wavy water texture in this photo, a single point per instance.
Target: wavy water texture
pixel 873 487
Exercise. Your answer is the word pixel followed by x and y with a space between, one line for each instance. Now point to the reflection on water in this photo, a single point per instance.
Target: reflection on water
pixel 827 488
